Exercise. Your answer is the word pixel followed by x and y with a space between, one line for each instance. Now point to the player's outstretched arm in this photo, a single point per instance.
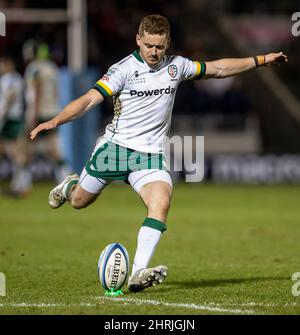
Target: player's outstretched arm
pixel 232 66
pixel 71 112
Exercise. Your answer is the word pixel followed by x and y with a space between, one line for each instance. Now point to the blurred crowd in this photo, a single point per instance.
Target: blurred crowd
pixel 32 52
pixel 26 101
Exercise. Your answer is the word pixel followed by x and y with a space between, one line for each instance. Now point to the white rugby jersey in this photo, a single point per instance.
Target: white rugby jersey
pixel 143 99
pixel 12 83
pixel 47 73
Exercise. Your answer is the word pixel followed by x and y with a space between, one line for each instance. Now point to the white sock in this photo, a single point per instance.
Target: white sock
pixel 148 239
pixel 21 180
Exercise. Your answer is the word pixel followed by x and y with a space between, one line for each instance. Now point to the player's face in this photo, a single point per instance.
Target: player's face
pixel 152 47
pixel 3 66
pixel 6 65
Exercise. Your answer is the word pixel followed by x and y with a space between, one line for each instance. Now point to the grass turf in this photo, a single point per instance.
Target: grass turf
pixel 229 249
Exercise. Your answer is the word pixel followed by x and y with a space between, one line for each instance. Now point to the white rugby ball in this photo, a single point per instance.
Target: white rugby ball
pixel 113 267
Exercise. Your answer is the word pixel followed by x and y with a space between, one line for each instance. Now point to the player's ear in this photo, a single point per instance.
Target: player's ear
pixel 169 42
pixel 138 40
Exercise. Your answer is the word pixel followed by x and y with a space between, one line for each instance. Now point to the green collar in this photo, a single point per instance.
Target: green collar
pixel 137 55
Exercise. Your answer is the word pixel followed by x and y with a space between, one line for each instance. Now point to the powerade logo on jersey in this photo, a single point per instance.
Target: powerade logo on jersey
pixel 148 93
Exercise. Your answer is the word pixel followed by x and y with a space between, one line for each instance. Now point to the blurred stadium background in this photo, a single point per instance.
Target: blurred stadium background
pixel 231 246
pixel 251 123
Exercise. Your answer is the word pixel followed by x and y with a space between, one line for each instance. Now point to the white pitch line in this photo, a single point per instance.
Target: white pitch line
pixel 182 305
pixel 211 306
pixel 129 301
pixel 44 305
pixel 255 304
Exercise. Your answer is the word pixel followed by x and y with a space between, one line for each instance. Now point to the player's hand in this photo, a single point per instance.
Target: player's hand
pixel 50 125
pixel 276 58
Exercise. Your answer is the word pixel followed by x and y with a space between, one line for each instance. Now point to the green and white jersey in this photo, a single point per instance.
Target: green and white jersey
pixel 41 77
pixel 11 85
pixel 143 99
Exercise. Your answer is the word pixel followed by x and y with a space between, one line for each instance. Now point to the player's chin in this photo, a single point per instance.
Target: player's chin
pixel 153 61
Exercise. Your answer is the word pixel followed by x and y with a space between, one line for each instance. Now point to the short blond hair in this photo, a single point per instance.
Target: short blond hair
pixel 155 25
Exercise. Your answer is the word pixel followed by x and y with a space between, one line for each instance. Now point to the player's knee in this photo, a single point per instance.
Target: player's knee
pixel 78 203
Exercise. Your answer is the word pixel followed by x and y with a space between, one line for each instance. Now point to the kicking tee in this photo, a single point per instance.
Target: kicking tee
pixel 143 99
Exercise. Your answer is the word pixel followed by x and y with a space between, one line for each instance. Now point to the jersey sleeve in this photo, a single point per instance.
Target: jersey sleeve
pixel 192 69
pixel 112 82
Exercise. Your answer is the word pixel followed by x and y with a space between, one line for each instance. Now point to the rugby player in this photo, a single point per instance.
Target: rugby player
pixel 143 87
pixel 42 102
pixel 12 124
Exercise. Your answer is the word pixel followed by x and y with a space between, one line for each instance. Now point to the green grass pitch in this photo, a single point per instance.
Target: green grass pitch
pixel 229 249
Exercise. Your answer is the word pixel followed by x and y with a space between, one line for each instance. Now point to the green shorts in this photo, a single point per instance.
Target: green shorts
pixel 12 129
pixel 113 162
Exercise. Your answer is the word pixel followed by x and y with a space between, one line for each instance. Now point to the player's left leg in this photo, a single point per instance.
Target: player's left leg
pixel 156 196
pixel 155 189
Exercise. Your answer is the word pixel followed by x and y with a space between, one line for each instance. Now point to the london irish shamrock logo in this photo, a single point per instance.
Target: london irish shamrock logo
pixel 172 70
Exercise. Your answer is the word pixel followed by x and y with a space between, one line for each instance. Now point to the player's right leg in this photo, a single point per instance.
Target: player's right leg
pixel 63 191
pixel 79 191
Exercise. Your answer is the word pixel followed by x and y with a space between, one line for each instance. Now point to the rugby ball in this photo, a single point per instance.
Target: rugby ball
pixel 113 267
